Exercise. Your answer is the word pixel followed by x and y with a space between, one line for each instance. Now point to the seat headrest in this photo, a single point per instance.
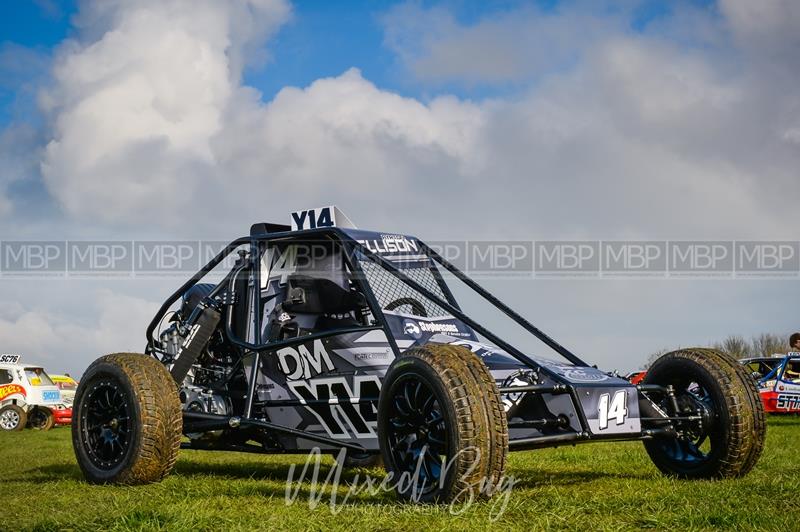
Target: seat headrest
pixel 314 295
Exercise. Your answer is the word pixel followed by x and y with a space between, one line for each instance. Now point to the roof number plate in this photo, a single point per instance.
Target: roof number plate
pixel 319 217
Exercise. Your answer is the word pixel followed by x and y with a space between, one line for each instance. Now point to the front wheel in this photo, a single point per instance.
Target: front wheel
pixel 725 436
pixel 441 426
pixel 12 418
pixel 126 422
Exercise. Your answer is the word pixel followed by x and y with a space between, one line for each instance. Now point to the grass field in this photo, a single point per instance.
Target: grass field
pixel 600 486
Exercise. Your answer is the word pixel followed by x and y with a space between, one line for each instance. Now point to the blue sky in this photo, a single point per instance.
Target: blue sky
pixel 322 39
pixel 35 24
pixel 26 24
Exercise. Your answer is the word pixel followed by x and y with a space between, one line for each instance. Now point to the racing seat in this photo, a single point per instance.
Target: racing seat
pixel 314 304
pixel 314 295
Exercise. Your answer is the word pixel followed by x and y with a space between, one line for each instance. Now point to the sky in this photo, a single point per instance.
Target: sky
pixel 549 120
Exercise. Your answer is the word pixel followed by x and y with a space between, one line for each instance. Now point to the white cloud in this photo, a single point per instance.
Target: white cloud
pixel 67 337
pixel 153 127
pixel 769 26
pixel 514 45
pixel 640 134
pixel 345 140
pixel 150 112
pixel 135 109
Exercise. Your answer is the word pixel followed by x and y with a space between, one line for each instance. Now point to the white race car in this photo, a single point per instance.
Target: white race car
pixel 27 395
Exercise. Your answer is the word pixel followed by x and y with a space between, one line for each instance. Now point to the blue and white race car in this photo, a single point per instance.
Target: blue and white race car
pixel 778 379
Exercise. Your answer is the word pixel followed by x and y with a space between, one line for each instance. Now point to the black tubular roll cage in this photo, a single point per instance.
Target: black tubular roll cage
pixel 204 421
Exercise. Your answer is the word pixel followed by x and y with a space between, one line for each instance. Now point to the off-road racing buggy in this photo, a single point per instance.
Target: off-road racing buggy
pixel 778 379
pixel 324 336
pixel 27 396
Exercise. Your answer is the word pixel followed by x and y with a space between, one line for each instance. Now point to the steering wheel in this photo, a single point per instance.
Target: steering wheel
pixel 417 308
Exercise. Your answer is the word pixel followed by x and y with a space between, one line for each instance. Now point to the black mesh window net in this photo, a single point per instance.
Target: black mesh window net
pixel 395 295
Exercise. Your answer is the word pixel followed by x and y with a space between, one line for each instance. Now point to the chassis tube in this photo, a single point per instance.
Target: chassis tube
pixel 557 388
pixel 538 442
pixel 233 422
pixel 505 309
pixel 251 388
pixel 191 282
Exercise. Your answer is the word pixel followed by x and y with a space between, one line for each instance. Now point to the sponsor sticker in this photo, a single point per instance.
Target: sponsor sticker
pixel 336 403
pixel 389 244
pixel 585 375
pixel 51 395
pixel 412 329
pixel 8 390
pixel 789 402
pixel 304 361
pixel 371 356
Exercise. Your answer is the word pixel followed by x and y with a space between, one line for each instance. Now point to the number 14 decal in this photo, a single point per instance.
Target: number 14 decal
pixel 616 408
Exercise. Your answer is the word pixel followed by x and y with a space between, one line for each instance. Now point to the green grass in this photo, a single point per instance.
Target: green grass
pixel 595 486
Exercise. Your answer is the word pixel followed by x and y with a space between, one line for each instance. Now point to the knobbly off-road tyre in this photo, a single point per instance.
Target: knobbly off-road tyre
pixel 737 420
pixel 443 399
pixel 126 422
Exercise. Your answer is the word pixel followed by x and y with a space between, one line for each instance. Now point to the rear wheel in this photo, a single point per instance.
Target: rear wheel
pixel 12 418
pixel 728 435
pixel 436 434
pixel 126 423
pixel 41 419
